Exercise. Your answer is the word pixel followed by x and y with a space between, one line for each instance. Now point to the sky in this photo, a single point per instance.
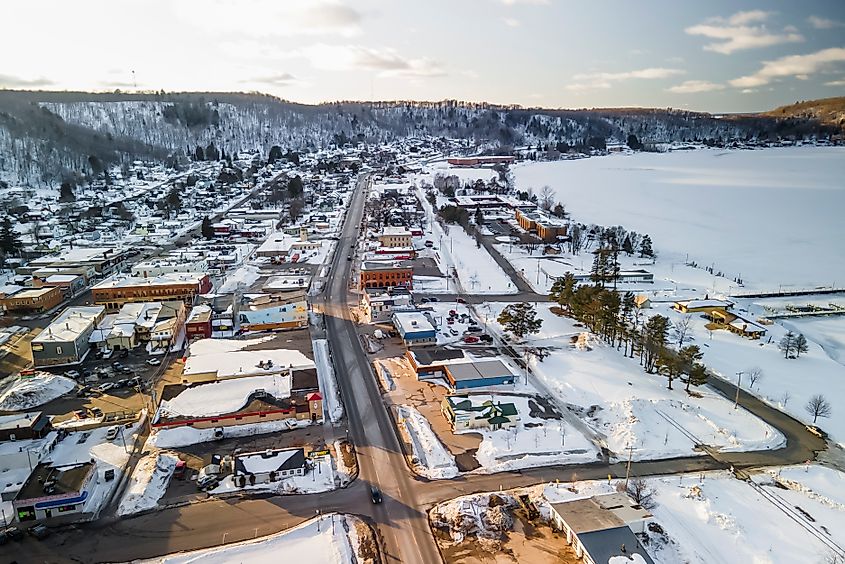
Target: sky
pixel 717 56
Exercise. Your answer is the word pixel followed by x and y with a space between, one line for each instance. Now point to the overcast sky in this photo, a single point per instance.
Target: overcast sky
pixel 716 55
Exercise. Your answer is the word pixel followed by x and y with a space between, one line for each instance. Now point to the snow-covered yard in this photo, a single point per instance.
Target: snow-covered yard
pixel 630 408
pixel 330 538
pixel 755 194
pixel 431 459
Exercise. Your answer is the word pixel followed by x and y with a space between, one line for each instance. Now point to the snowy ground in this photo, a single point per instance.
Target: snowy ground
pixel 533 442
pixel 183 436
pixel 431 458
pixel 786 383
pixel 631 408
pixel 673 196
pixel 328 383
pixel 29 392
pixel 322 477
pixel 430 285
pixel 148 482
pixel 331 538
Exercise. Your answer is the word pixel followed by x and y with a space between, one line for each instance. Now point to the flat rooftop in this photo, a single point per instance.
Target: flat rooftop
pixel 71 323
pixel 65 479
pixel 478 370
pixel 160 280
pixel 32 293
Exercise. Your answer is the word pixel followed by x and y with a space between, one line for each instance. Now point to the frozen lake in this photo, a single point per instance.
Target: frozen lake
pixel 774 216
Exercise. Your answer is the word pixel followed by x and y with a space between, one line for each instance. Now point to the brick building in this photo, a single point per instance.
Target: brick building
pixel 33 299
pixel 119 290
pixel 385 275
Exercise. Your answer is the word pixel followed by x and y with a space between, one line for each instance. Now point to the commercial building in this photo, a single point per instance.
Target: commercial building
pixel 90 261
pixel 22 426
pixel 283 245
pixel 478 374
pixel 51 491
pixel 478 412
pixel 267 312
pixel 210 360
pixel 198 324
pixel 157 323
pixel 395 237
pixel 379 305
pixel 415 328
pixel 706 305
pixel 184 262
pixel 34 300
pixel 376 274
pixel 547 228
pixel 65 340
pixel 602 527
pixel 431 362
pixel 119 290
pixel 69 283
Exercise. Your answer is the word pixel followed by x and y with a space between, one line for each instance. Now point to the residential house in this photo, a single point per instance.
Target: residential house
pixel 478 412
pixel 270 465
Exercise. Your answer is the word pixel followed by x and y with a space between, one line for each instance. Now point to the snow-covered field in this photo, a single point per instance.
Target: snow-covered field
pixel 32 391
pixel 148 482
pixel 632 409
pixel 314 541
pixel 773 215
pixel 431 458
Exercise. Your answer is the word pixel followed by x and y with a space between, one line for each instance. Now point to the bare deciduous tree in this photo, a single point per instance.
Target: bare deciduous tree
pixel 681 330
pixel 818 406
pixel 642 493
pixel 547 198
pixel 754 375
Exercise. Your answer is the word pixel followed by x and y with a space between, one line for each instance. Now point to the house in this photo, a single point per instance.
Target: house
pixel 602 527
pixel 431 362
pixel 478 374
pixel 478 412
pixel 706 306
pixel 392 274
pixel 415 328
pixel 641 301
pixel 21 426
pixel 65 340
pixel 33 300
pixel 270 465
pixel 395 237
pixel 51 491
pixel 735 324
pixel 198 323
pixel 379 305
pixel 118 290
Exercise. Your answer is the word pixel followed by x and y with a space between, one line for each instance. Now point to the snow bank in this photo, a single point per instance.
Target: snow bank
pixel 148 482
pixel 224 396
pixel 431 459
pixel 328 381
pixel 184 436
pixel 314 541
pixel 29 392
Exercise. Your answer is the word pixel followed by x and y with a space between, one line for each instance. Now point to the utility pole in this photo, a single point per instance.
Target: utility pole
pixel 738 379
pixel 628 467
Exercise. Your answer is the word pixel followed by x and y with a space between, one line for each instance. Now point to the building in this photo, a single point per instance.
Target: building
pixel 431 362
pixel 51 491
pixel 210 360
pixel 267 312
pixel 283 245
pixel 704 306
pixel 415 328
pixel 477 161
pixel 547 228
pixel 198 324
pixel 379 305
pixel 270 465
pixel 477 412
pixel 395 237
pixel 65 340
pixel 184 262
pixel 478 374
pixel 69 283
pixel 602 527
pixel 641 301
pixel 735 324
pixel 33 300
pixel 22 426
pixel 119 290
pixel 385 275
pixel 158 323
pixel 90 261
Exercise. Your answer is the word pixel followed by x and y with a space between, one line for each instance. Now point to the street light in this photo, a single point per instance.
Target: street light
pixel 738 379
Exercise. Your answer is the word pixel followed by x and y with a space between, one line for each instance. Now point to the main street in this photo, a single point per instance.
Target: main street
pixel 401 520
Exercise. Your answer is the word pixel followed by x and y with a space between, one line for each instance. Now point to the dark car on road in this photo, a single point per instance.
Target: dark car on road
pixel 39 532
pixel 375 495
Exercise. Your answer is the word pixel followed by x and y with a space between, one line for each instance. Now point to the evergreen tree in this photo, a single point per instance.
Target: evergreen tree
pixel 10 240
pixel 199 154
pixel 295 187
pixel 654 337
pixel 646 249
pixel 520 319
pixel 627 246
pixel 800 344
pixel 66 193
pixel 206 229
pixel 211 153
pixel 688 359
pixel 563 290
pixel 275 154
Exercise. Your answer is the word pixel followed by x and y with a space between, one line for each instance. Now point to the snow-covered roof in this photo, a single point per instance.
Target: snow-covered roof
pixel 225 396
pixel 412 322
pixel 70 324
pixel 160 280
pixel 269 461
pixel 226 358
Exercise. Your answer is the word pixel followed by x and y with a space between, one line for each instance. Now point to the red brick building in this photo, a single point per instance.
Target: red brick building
pixel 385 275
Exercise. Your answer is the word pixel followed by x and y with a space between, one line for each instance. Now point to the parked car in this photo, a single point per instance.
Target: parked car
pixel 469 339
pixel 124 353
pixel 485 338
pixel 153 361
pixel 429 243
pixel 96 412
pixel 116 364
pixel 13 533
pixel 375 495
pixel 105 387
pixel 80 414
pixel 179 471
pixel 474 329
pixel 72 374
pixel 453 332
pixel 453 313
pixel 126 370
pixel 39 532
pixel 107 354
pixel 461 301
pixel 122 383
pixel 433 299
pixel 817 431
pixel 84 392
pixel 424 300
pixel 111 434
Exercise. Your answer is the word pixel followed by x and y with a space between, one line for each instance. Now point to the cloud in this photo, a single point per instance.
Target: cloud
pixel 511 22
pixel 748 90
pixel 604 80
pixel 743 30
pixel 696 86
pixel 824 23
pixel 796 66
pixel 281 79
pixel 835 83
pixel 515 2
pixel 357 57
pixel 9 81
